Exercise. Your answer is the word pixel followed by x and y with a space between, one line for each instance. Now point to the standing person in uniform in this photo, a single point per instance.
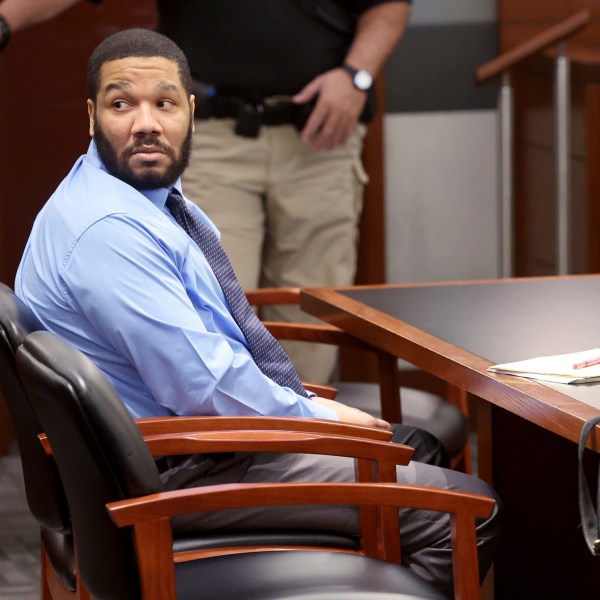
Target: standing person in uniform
pixel 284 90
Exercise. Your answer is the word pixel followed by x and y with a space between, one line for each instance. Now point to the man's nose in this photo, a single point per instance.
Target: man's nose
pixel 146 120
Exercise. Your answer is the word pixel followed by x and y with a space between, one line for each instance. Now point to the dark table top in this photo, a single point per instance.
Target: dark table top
pixel 469 325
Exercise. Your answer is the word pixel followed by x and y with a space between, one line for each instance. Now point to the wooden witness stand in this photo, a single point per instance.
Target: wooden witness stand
pixel 556 198
pixel 529 34
pixel 532 46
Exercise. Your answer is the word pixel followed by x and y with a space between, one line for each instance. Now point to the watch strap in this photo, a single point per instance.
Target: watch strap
pixel 350 70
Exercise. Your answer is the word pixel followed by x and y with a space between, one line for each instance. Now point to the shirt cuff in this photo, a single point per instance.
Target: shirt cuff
pixel 324 412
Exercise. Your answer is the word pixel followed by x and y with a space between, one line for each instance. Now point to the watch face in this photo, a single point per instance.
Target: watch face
pixel 363 80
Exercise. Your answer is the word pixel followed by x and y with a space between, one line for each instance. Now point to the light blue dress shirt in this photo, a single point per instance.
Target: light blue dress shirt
pixel 107 268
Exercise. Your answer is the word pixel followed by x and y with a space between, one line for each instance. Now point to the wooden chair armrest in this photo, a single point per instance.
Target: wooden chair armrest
pixel 239 495
pixel 262 296
pixel 307 332
pixel 387 454
pixel 171 425
pixel 154 425
pixel 322 334
pixel 150 516
pixel 374 460
pixel 320 389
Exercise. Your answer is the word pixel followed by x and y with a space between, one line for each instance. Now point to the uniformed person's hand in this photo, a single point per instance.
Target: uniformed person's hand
pixel 336 113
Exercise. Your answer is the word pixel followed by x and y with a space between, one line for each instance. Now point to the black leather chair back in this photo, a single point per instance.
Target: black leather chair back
pixel 43 488
pixel 100 453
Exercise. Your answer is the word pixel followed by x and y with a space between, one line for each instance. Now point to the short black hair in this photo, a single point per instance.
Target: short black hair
pixel 135 43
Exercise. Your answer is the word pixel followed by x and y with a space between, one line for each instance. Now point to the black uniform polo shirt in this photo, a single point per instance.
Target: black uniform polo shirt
pixel 263 46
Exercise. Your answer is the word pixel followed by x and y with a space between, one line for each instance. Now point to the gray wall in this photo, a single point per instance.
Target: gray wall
pixel 440 145
pixel 432 68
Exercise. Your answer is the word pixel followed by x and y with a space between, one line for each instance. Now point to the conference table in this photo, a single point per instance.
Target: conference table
pixel 528 431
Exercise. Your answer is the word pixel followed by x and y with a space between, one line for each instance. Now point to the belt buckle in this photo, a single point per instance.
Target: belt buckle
pixel 277 100
pixel 249 120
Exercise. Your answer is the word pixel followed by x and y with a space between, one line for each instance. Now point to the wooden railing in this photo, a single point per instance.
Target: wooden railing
pixel 500 67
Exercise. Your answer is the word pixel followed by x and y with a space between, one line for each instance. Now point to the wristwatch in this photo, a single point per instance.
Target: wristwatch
pixel 4 33
pixel 362 80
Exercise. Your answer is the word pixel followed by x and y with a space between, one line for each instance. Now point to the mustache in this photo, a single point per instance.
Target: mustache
pixel 147 140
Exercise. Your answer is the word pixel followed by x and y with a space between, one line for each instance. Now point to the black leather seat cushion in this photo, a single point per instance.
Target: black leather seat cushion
pixel 230 539
pixel 297 575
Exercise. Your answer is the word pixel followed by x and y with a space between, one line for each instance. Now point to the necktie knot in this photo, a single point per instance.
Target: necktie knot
pixel 266 350
pixel 174 200
pixel 176 205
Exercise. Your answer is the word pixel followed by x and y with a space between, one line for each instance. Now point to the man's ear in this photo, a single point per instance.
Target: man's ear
pixel 90 107
pixel 192 108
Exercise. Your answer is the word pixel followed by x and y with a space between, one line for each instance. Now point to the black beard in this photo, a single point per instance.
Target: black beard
pixel 117 165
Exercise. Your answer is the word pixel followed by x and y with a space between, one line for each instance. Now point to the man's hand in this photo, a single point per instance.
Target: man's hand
pixel 336 113
pixel 352 415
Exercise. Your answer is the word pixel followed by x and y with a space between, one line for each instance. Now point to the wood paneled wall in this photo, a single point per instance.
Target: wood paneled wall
pixel 43 115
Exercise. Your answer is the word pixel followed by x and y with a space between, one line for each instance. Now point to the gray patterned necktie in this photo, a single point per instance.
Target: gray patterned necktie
pixel 266 350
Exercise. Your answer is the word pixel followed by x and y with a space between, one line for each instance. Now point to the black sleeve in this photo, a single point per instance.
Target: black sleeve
pixel 360 6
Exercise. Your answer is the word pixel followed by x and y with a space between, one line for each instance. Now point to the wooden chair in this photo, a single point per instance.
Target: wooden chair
pixel 44 491
pixel 444 417
pixel 108 474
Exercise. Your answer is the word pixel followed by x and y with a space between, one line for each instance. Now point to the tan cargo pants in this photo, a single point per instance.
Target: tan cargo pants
pixel 288 215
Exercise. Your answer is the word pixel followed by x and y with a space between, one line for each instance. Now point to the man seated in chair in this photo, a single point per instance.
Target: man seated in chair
pixel 128 271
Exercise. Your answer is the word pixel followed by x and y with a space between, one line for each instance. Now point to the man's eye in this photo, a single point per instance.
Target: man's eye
pixel 120 105
pixel 165 104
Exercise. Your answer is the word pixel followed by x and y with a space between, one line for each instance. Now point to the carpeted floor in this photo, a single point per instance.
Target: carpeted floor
pixel 19 537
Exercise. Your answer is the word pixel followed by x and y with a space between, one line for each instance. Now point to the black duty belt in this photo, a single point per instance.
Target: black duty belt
pixel 250 116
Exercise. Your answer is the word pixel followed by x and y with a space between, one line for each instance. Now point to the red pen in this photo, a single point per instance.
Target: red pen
pixel 587 363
